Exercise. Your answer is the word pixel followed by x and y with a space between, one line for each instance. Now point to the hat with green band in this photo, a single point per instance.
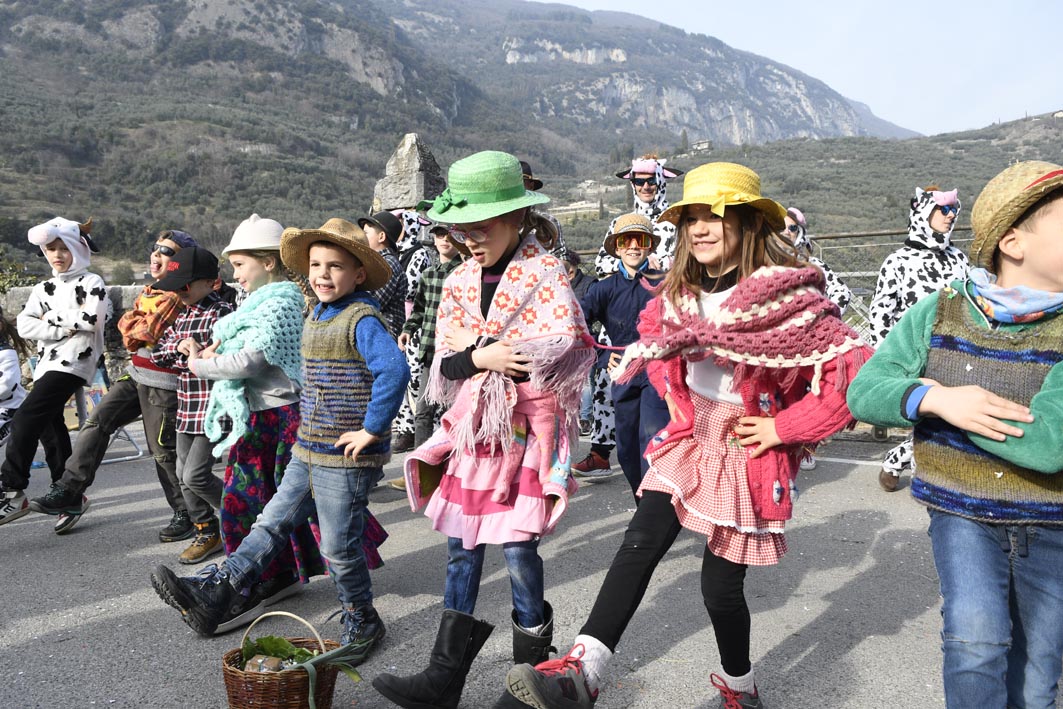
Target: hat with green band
pixel 482 186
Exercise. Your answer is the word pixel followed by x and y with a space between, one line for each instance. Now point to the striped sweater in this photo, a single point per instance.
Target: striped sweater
pixel 353 377
pixel 945 338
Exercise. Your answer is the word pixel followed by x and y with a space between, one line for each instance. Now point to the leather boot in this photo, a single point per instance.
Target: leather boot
pixel 532 648
pixel 439 686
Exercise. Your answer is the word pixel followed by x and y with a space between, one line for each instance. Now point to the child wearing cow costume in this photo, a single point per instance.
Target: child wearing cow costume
pixel 65 315
pixel 926 263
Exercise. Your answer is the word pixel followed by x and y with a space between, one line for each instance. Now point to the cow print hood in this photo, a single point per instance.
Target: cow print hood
pixel 920 235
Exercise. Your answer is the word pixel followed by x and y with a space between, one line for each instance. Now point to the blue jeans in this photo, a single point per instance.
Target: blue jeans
pixel 341 497
pixel 465 566
pixel 1002 635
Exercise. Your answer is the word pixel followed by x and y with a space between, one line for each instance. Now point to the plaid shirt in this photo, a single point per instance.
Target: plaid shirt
pixel 426 306
pixel 195 321
pixel 392 295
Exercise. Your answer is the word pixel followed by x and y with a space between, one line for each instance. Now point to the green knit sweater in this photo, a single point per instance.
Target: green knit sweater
pixel 946 338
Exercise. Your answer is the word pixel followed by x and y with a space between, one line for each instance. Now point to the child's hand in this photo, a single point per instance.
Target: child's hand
pixel 459 339
pixel 674 411
pixel 354 441
pixel 614 359
pixel 499 356
pixel 752 430
pixel 188 347
pixel 975 409
pixel 210 352
pixel 404 339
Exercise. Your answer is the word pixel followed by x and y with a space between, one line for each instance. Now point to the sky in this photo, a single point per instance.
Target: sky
pixel 932 68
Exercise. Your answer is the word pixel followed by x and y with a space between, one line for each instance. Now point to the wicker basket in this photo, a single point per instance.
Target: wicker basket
pixel 278 690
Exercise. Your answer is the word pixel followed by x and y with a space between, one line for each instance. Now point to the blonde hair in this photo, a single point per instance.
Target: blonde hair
pixel 545 231
pixel 759 246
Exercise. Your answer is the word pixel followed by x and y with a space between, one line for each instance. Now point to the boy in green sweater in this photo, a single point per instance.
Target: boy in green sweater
pixel 976 369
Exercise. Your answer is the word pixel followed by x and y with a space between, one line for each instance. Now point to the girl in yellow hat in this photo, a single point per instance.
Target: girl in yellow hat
pixel 754 363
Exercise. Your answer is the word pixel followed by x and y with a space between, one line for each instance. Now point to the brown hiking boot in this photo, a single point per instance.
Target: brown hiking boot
pixel 593 466
pixel 207 542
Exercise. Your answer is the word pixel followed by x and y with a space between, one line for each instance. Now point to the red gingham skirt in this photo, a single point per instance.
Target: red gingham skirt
pixel 706 476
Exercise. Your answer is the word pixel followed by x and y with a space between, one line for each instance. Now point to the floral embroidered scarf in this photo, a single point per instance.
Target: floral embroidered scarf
pixel 533 308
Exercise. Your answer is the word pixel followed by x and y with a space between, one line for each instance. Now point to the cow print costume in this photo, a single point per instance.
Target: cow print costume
pixel 925 264
pixel 837 292
pixel 415 257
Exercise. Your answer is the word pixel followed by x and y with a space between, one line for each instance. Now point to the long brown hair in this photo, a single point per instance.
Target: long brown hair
pixel 545 231
pixel 9 334
pixel 759 246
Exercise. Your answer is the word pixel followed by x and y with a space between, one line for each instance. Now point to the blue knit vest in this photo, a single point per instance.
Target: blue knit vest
pixel 954 475
pixel 337 386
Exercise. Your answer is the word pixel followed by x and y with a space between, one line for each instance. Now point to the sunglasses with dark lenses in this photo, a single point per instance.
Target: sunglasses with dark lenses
pixel 639 241
pixel 640 181
pixel 948 209
pixel 164 250
pixel 793 228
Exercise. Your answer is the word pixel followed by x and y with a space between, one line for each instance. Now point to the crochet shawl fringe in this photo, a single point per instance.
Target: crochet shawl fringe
pixel 270 320
pixel 774 329
pixel 536 310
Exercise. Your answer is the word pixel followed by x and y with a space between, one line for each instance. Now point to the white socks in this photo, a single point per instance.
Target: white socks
pixel 745 683
pixel 595 657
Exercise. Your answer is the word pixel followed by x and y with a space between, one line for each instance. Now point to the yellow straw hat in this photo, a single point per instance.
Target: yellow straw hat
pixel 295 250
pixel 1004 200
pixel 724 184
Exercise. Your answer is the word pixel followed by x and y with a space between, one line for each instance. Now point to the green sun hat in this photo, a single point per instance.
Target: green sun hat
pixel 482 186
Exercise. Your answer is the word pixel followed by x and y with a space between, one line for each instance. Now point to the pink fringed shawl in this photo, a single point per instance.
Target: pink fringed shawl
pixel 533 308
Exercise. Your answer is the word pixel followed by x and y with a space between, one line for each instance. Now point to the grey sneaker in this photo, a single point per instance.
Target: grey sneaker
pixel 554 684
pixel 730 699
pixel 13 504
pixel 66 520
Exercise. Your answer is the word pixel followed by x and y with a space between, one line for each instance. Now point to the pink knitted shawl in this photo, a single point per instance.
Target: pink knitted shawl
pixel 775 323
pixel 535 310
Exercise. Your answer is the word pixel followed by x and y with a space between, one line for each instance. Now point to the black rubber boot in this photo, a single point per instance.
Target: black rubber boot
pixel 531 649
pixel 439 686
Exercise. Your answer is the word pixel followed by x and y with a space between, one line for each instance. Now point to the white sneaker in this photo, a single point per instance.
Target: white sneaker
pixel 13 504
pixel 808 463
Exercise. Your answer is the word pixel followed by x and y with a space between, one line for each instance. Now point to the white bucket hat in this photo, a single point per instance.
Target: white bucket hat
pixel 255 234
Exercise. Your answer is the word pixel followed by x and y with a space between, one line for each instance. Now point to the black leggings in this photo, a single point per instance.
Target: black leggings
pixel 651 532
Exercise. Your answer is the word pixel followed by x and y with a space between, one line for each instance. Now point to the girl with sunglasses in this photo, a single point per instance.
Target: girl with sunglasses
pixel 725 465
pixel 512 354
pixel 926 263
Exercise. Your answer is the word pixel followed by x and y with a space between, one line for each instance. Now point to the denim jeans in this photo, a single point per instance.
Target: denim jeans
pixel 465 566
pixel 341 496
pixel 1002 635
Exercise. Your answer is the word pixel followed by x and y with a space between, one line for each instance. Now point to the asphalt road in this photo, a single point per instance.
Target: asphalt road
pixel 850 618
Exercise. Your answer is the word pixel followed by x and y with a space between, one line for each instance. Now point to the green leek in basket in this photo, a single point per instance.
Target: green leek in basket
pixel 307 660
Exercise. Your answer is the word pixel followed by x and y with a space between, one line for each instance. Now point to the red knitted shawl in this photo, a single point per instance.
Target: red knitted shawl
pixel 775 323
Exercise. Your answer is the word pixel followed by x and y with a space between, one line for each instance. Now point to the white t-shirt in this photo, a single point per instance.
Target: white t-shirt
pixel 706 377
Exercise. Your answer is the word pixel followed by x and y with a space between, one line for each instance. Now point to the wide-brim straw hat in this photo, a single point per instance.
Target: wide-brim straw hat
pixel 725 184
pixel 295 250
pixel 482 186
pixel 633 223
pixel 1004 200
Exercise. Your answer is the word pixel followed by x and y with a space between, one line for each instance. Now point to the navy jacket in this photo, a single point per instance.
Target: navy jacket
pixel 616 302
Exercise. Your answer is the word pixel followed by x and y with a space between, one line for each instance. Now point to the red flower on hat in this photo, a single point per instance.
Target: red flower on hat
pixel 172 266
